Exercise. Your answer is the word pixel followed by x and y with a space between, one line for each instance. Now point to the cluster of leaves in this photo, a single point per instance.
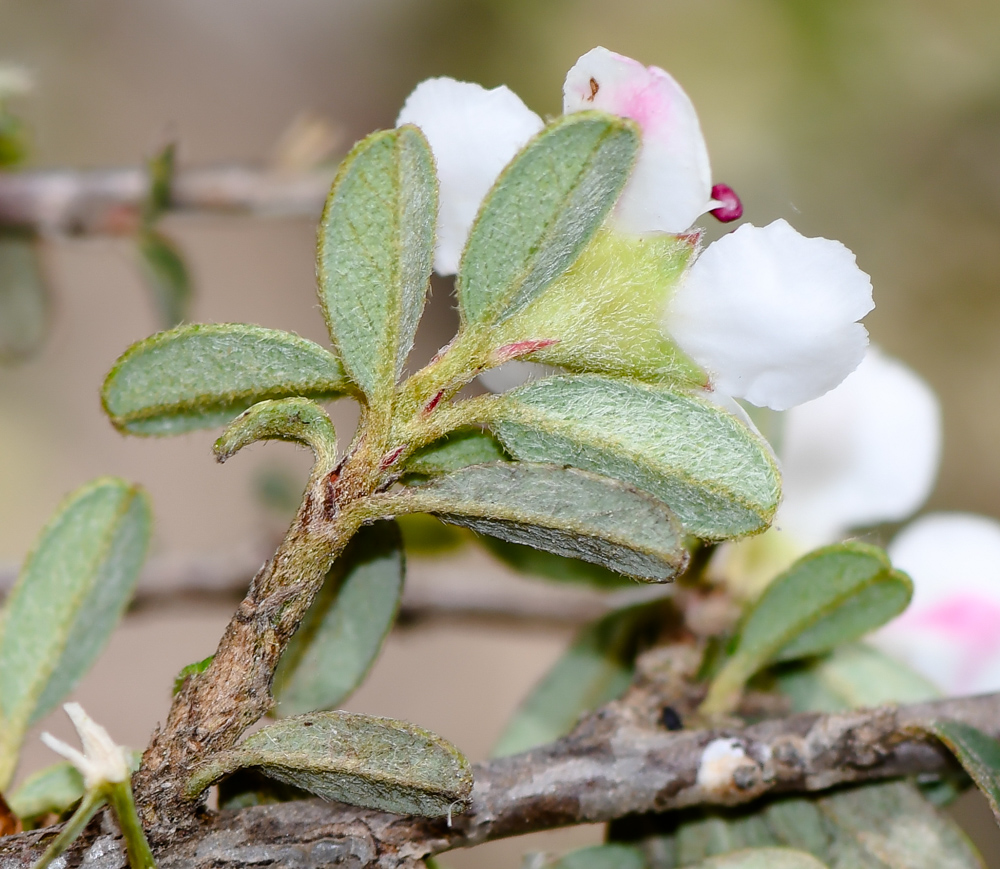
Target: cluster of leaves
pixel 620 465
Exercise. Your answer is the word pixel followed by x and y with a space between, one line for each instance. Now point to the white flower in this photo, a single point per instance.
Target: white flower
pixel 670 186
pixel 771 314
pixel 102 760
pixel 864 453
pixel 950 633
pixel 473 133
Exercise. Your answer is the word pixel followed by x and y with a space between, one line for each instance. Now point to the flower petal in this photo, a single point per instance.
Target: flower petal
pixel 951 631
pixel 866 452
pixel 671 183
pixel 771 314
pixel 473 133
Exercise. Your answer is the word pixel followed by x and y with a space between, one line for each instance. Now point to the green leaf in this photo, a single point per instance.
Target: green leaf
pixel 605 313
pixel 542 210
pixel 344 628
pixel 201 376
pixel 191 670
pixel 72 590
pixel 762 858
pixel 557 509
pixel 886 825
pixel 24 308
pixel 852 676
pixel 167 275
pixel 610 856
pixel 461 448
pixel 51 790
pixel 376 242
pixel 594 670
pixel 831 596
pixel 286 419
pixel 718 478
pixel 377 763
pixel 559 568
pixel 14 140
pixel 978 753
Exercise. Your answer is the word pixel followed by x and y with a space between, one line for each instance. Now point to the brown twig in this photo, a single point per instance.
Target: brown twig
pixel 76 202
pixel 616 763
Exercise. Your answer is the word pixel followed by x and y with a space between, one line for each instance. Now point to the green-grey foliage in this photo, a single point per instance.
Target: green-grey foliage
pixel 72 589
pixel 167 275
pixel 202 376
pixel 540 564
pixel 833 595
pixel 377 763
pixel 461 448
pixel 542 210
pixel 51 790
pixel 851 676
pixel 343 631
pixel 706 466
pixel 610 856
pixel 24 308
pixel 376 241
pixel 558 509
pixel 594 670
pixel 978 753
pixel 877 826
pixel 287 419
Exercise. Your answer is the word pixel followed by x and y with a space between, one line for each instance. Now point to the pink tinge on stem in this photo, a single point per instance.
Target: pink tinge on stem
pixel 730 208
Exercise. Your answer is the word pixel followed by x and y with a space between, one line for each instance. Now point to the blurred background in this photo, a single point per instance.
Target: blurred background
pixel 876 122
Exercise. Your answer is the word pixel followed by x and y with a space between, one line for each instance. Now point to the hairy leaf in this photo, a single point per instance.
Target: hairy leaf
pixel 852 676
pixel 718 478
pixel 461 448
pixel 50 790
pixel 556 509
pixel 24 308
pixel 377 763
pixel 542 210
pixel 202 376
pixel 72 590
pixel 594 670
pixel 978 753
pixel 833 595
pixel 559 568
pixel 286 419
pixel 376 242
pixel 167 275
pixel 343 631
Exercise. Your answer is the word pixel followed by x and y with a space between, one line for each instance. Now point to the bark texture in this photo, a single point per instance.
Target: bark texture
pixel 620 761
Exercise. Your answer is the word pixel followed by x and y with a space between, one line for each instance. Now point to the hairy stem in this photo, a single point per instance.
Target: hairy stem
pixel 214 708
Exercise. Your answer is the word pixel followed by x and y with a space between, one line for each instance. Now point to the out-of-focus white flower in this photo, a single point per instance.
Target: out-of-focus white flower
pixel 772 315
pixel 102 760
pixel 14 81
pixel 670 186
pixel 950 633
pixel 473 133
pixel 864 453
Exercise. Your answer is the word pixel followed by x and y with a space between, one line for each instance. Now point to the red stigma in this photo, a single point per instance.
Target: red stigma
pixel 731 208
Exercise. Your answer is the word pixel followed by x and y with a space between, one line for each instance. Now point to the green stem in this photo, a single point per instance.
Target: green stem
pixel 139 854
